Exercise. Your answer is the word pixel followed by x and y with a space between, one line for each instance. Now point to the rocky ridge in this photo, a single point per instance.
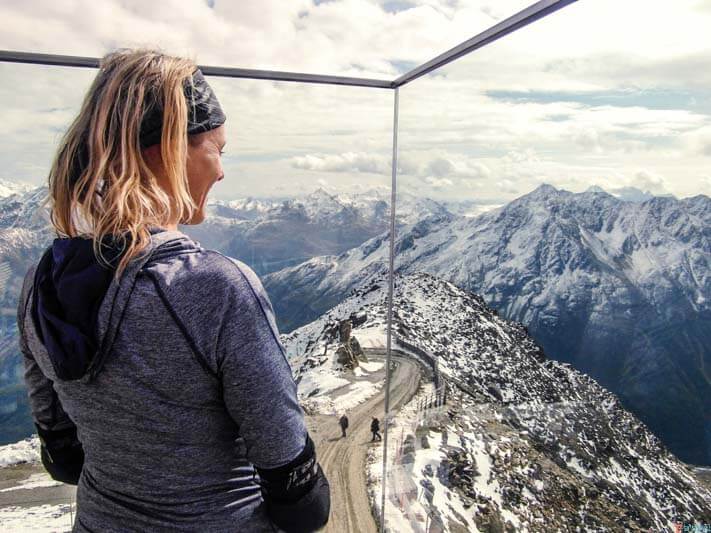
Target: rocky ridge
pixel 524 442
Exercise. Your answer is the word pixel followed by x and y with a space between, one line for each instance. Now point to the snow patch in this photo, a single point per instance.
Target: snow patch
pixel 24 451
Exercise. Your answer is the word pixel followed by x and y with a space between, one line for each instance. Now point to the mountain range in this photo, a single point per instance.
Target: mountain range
pixel 274 234
pixel 619 289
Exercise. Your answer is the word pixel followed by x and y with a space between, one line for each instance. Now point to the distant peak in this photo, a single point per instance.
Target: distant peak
pixel 632 194
pixel 10 187
pixel 595 189
pixel 546 188
pixel 542 191
pixel 321 192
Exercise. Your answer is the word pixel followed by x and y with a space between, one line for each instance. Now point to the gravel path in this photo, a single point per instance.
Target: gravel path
pixel 343 460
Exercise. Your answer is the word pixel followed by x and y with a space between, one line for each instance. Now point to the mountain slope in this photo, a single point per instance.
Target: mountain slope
pixel 532 442
pixel 272 235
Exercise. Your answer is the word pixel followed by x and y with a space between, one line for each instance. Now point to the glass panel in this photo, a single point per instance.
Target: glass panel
pixel 40 102
pixel 307 188
pixel 33 120
pixel 307 183
pixel 557 183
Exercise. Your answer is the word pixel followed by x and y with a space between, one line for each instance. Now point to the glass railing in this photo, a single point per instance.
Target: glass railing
pixel 307 185
pixel 311 173
pixel 550 301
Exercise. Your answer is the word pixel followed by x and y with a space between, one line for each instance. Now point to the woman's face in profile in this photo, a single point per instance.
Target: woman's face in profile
pixel 204 167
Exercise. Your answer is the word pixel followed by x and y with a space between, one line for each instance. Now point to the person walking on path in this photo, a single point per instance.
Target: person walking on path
pixel 343 422
pixel 375 429
pixel 156 377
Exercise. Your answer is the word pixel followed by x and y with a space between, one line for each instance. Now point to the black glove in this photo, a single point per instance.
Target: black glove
pixel 297 495
pixel 62 454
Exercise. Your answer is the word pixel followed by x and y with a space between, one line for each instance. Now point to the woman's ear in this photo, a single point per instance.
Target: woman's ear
pixel 154 160
pixel 152 156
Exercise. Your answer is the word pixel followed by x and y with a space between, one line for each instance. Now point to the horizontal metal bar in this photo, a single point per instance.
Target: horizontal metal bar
pixel 294 76
pixel 11 56
pixel 93 62
pixel 511 24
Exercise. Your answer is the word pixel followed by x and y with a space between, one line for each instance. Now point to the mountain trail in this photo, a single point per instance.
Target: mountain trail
pixel 343 459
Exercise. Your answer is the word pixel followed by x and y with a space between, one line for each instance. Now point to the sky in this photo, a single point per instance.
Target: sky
pixel 607 93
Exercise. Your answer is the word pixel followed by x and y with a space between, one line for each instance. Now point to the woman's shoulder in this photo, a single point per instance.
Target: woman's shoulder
pixel 206 274
pixel 238 275
pixel 230 270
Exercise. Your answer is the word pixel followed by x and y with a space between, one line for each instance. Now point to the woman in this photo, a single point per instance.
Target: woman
pixel 156 377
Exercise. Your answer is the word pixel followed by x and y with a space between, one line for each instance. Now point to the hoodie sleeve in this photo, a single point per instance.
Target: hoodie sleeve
pixel 61 452
pixel 258 387
pixel 261 395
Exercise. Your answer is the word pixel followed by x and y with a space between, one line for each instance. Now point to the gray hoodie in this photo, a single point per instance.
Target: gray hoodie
pixel 188 392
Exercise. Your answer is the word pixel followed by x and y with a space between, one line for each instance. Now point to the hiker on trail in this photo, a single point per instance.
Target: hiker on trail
pixel 156 378
pixel 343 422
pixel 375 429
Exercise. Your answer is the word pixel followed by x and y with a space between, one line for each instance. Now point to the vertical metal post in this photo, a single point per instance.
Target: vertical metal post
pixel 391 276
pixel 71 513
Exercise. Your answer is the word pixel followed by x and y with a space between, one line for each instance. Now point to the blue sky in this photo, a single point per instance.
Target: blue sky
pixel 580 98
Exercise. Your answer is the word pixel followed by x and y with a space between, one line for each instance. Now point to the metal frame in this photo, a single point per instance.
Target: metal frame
pixel 519 20
pixel 227 72
pixel 391 283
pixel 503 28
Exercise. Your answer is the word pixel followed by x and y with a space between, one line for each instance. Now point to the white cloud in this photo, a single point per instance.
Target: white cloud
pixel 454 134
pixel 347 162
pixel 646 180
pixel 440 167
pixel 588 138
pixel 438 183
pixel 698 141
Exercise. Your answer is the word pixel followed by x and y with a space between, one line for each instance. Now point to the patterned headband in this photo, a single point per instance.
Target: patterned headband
pixel 204 111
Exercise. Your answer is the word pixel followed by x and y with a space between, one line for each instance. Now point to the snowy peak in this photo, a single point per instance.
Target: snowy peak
pixel 542 192
pixel 594 189
pixel 322 204
pixel 9 187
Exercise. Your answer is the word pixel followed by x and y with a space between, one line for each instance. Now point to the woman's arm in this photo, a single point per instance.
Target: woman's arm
pixel 61 452
pixel 260 394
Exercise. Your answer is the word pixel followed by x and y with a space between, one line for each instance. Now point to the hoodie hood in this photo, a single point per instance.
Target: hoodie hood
pixel 77 304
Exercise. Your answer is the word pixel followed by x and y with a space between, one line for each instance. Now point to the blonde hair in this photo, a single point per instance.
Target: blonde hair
pixel 100 184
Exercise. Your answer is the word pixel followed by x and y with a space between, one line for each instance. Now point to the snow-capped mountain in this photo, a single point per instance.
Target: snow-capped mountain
pixel 633 194
pixel 274 234
pixel 268 234
pixel 470 208
pixel 619 289
pixel 24 233
pixel 9 187
pixel 532 442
